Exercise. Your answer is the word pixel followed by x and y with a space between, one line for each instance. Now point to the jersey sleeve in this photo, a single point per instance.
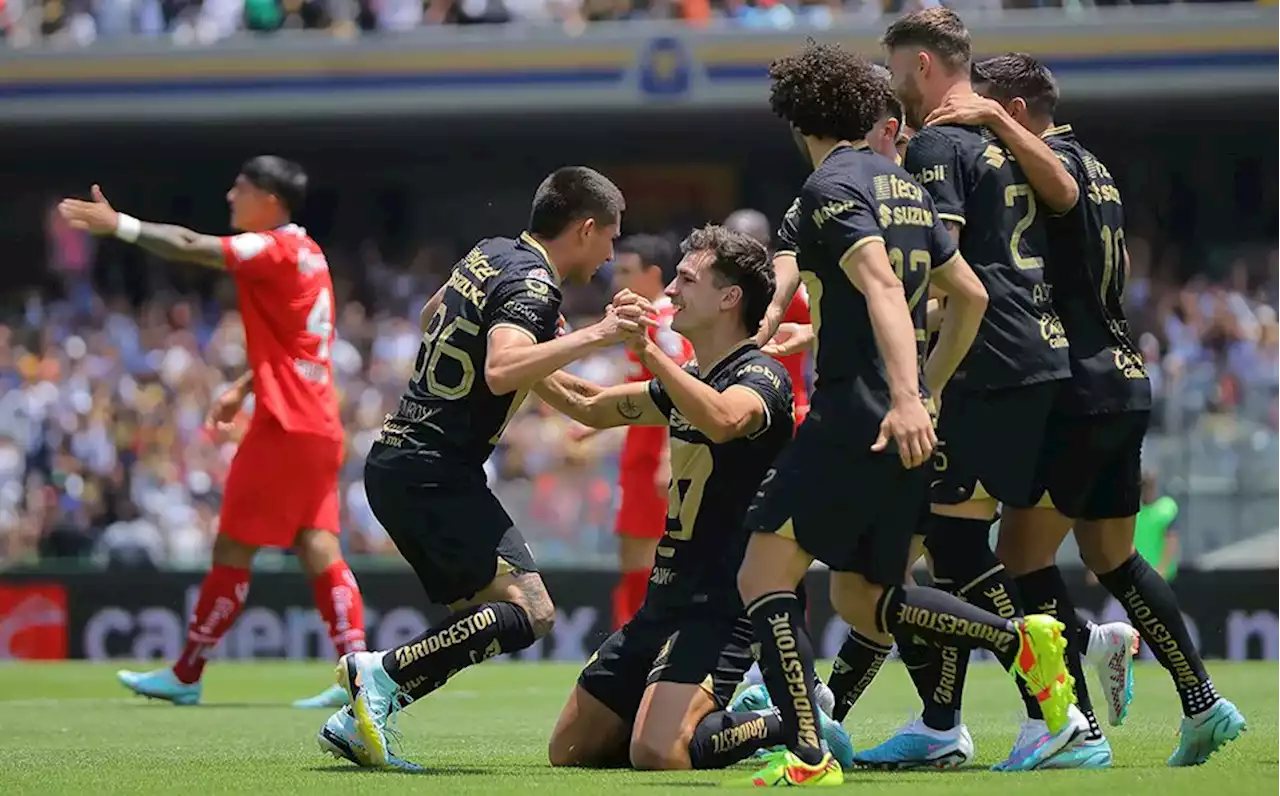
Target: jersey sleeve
pixel 942 247
pixel 933 160
pixel 787 229
pixel 527 303
pixel 658 394
pixel 253 255
pixel 1078 171
pixel 768 379
pixel 847 218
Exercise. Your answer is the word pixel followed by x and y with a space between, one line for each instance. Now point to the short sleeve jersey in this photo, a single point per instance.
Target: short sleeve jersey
pixel 713 484
pixel 286 300
pixel 448 420
pixel 856 198
pixel 1086 266
pixel 975 182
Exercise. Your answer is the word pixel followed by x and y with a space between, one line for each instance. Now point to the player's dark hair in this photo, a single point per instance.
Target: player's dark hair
pixel 1007 77
pixel 825 91
pixel 574 193
pixel 652 250
pixel 739 260
pixel 283 179
pixel 938 30
pixel 894 106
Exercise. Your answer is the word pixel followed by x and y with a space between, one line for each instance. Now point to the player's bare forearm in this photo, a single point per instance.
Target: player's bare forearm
pixel 954 228
pixel 966 304
pixel 179 243
pixel 1051 181
pixel 721 416
pixel 429 309
pixel 244 384
pixel 787 273
pixel 515 362
pixel 600 407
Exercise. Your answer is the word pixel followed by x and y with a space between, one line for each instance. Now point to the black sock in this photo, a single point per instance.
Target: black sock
pixel 463 639
pixel 1153 610
pixel 723 738
pixel 786 662
pixel 1084 633
pixel 945 620
pixel 965 566
pixel 1044 592
pixel 919 659
pixel 853 670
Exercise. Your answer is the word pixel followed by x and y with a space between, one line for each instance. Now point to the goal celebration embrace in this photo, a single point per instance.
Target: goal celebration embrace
pixel 919 387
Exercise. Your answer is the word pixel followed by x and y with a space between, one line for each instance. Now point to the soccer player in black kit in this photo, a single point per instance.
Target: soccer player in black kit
pixel 849 489
pixel 1091 465
pixel 654 694
pixel 489 336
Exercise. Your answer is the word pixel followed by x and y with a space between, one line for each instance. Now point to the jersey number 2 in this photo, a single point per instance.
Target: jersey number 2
pixel 1011 194
pixel 320 323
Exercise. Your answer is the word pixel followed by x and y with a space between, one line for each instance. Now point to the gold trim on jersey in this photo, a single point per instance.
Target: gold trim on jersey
pixel 839 145
pixel 1061 129
pixel 952 217
pixel 844 258
pixel 532 242
pixel 526 332
pixel 950 261
pixel 781 252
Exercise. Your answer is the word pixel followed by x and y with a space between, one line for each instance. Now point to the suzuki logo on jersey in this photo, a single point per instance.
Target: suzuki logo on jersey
pixel 33 622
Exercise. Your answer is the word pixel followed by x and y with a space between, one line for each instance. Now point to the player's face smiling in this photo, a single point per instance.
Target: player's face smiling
pixel 694 294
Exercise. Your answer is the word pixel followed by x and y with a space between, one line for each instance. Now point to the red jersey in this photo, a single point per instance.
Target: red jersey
pixel 797 312
pixel 643 445
pixel 286 299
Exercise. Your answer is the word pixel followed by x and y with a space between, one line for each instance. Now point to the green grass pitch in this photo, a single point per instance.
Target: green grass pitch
pixel 71 729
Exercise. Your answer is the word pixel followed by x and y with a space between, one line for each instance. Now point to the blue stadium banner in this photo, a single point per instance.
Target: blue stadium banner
pixel 1107 54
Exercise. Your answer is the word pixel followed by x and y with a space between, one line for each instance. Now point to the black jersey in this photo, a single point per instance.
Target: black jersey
pixel 975 182
pixel 448 421
pixel 1086 267
pixel 853 198
pixel 712 486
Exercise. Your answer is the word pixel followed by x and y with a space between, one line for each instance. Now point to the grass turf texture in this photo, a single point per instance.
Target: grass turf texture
pixel 72 729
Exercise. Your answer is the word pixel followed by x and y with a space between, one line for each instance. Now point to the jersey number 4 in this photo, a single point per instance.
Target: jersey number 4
pixel 320 323
pixel 436 345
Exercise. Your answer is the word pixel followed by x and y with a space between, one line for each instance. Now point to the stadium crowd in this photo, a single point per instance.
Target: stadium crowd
pixel 104 455
pixel 81 22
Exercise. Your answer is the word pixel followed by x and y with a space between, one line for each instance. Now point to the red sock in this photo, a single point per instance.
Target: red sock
pixel 628 596
pixel 341 606
pixel 222 595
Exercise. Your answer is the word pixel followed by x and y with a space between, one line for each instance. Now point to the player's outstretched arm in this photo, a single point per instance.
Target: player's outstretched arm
pixel 1051 181
pixel 166 240
pixel 739 411
pixel 908 423
pixel 514 361
pixel 600 407
pixel 787 274
pixel 966 304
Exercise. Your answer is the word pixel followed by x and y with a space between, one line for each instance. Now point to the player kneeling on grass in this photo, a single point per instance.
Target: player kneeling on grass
pixel 489 336
pixel 283 487
pixel 654 694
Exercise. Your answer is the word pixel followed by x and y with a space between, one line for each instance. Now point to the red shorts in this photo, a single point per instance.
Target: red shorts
pixel 642 513
pixel 801 412
pixel 280 483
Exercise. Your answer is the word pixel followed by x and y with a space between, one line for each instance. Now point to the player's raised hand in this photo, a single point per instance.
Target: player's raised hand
pixel 909 426
pixel 621 323
pixel 791 338
pixel 967 109
pixel 96 216
pixel 625 298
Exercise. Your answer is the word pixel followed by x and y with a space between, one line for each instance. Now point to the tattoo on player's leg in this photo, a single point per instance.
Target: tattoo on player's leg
pixel 533 593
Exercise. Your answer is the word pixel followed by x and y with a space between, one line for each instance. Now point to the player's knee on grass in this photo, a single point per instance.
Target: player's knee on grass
pixel 855 599
pixel 1029 539
pixel 588 735
pixel 228 552
pixel 1105 544
pixel 317 550
pixel 665 723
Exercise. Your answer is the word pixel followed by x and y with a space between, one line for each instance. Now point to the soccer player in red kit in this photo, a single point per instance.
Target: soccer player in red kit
pixel 282 490
pixel 644 264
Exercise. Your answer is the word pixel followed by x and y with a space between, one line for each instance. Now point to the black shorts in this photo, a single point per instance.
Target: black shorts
pixel 457 538
pixel 1091 465
pixel 989 444
pixel 665 646
pixel 851 509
